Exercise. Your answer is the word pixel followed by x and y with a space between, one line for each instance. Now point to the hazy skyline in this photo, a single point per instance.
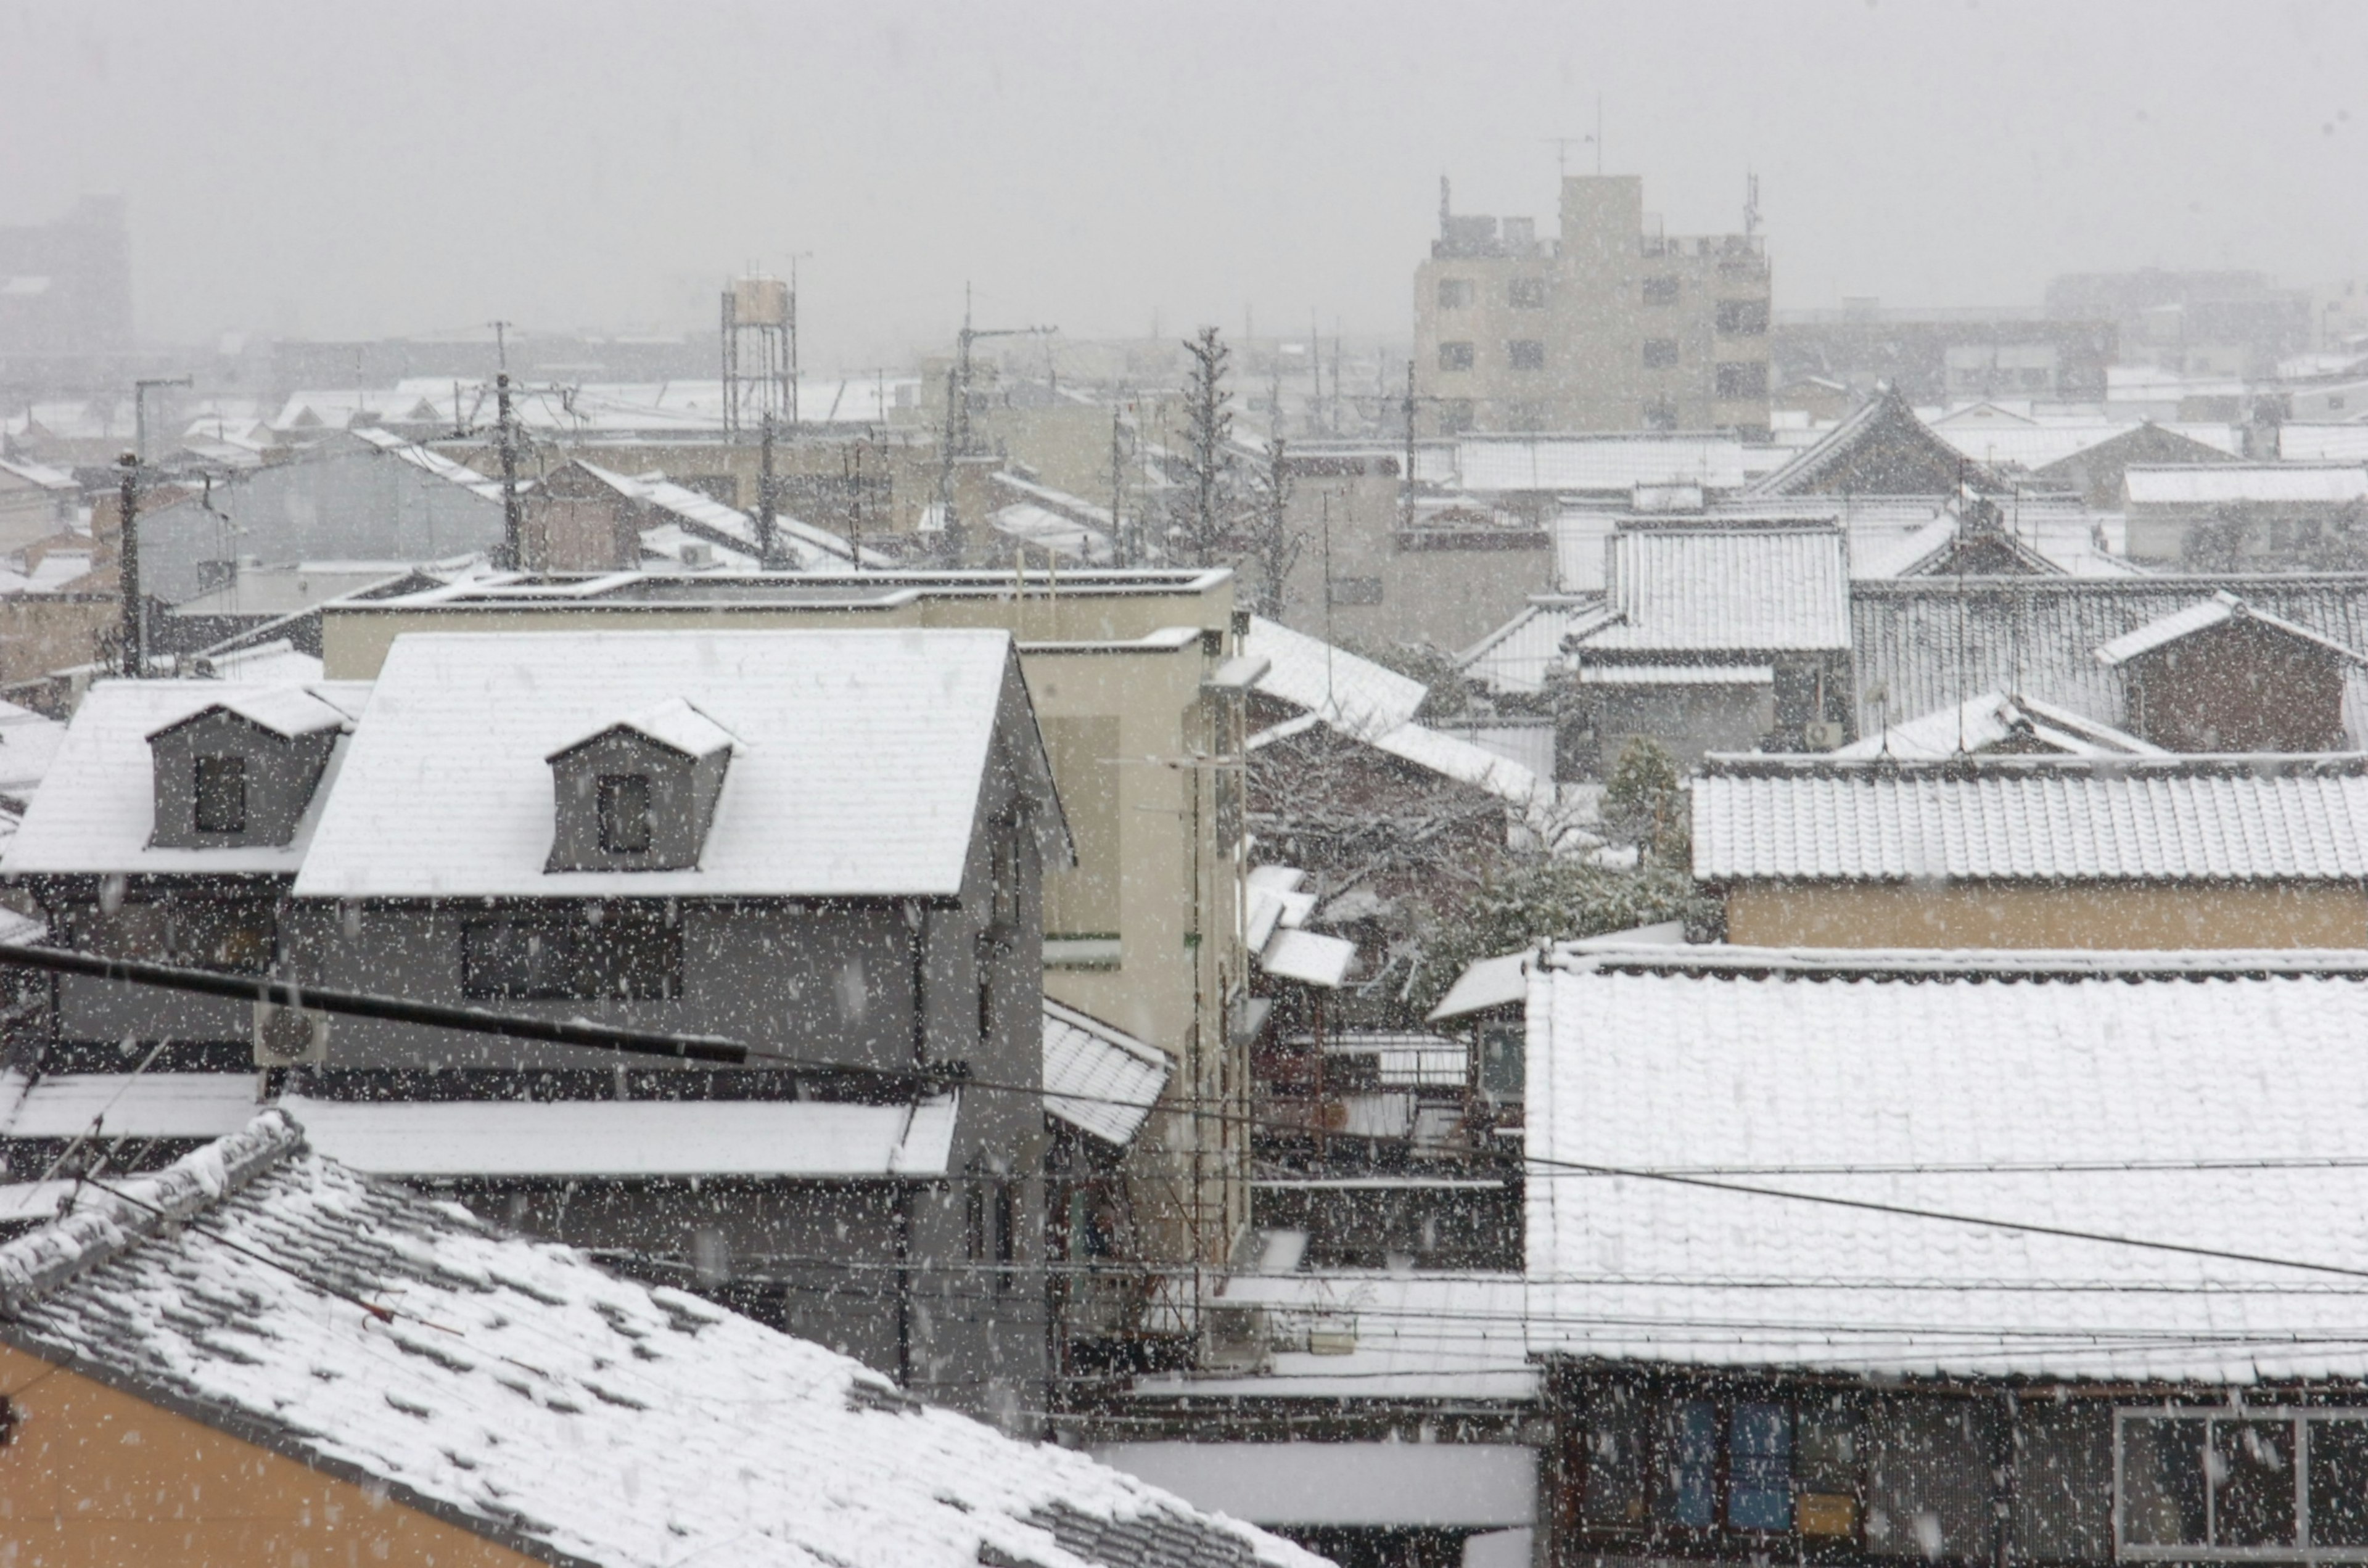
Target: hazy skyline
pixel 334 172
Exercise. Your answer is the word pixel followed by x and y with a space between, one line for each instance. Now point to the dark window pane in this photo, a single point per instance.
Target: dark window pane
pixel 1526 354
pixel 629 959
pixel 1660 290
pixel 1745 378
pixel 2162 1482
pixel 2339 1483
pixel 1660 353
pixel 1454 293
pixel 1759 1468
pixel 1615 1459
pixel 1689 1457
pixel 1742 318
pixel 2253 1490
pixel 1455 355
pixel 1526 293
pixel 221 794
pixel 624 800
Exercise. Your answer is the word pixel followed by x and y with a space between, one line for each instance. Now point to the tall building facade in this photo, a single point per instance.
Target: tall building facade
pixel 1613 326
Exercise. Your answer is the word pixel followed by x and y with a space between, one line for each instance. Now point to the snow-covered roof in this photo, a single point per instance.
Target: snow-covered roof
pixel 1995 719
pixel 2208 485
pixel 630 1138
pixel 1678 674
pixel 2301 442
pixel 145 1105
pixel 1693 588
pixel 429 460
pixel 1517 655
pixel 1502 981
pixel 1317 678
pixel 2194 1103
pixel 1099 1079
pixel 28 745
pixel 287 710
pixel 810 549
pixel 1609 464
pixel 672 722
pixel 2038 445
pixel 97 807
pixel 2218 611
pixel 42 476
pixel 1039 528
pixel 860 759
pixel 232 1286
pixel 2033 818
pixel 1308 958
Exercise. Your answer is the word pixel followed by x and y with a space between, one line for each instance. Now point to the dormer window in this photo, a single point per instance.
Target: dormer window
pixel 241 773
pixel 638 794
pixel 624 804
pixel 219 790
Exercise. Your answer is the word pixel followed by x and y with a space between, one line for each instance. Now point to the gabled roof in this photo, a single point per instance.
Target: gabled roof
pixel 97 807
pixel 1098 1078
pixel 672 722
pixel 1317 678
pixel 2191 1100
pixel 1693 588
pixel 2220 610
pixel 2033 819
pixel 861 758
pixel 1992 721
pixel 287 711
pixel 1882 449
pixel 506 1386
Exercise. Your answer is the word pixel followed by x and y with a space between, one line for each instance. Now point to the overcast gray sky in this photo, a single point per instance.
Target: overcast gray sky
pixel 340 169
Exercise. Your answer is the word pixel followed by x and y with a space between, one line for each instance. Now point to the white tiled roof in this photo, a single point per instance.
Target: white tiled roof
pixel 96 806
pixel 522 1393
pixel 1354 692
pixel 1517 655
pixel 2033 818
pixel 1099 1079
pixel 2190 485
pixel 861 758
pixel 1690 589
pixel 2213 1106
pixel 1308 958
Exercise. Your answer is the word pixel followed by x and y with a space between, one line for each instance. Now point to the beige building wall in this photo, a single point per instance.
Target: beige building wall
pixel 2142 916
pixel 1630 326
pixel 1146 934
pixel 94 1478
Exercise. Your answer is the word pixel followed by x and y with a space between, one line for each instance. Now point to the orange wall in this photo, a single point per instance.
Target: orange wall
pixel 2078 914
pixel 95 1479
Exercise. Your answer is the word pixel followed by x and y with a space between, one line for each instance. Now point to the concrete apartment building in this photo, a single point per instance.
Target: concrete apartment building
pixel 1614 326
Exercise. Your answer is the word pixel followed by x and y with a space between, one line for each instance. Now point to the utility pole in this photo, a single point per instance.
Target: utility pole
pixel 134 653
pixel 957 436
pixel 513 518
pixel 1119 542
pixel 1407 503
pixel 140 409
pixel 767 556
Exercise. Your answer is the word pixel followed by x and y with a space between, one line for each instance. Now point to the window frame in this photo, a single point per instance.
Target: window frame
pixel 231 765
pixel 1662 290
pixel 568 981
pixel 1457 357
pixel 1528 293
pixel 2301 1419
pixel 1456 293
pixel 1660 354
pixel 1525 354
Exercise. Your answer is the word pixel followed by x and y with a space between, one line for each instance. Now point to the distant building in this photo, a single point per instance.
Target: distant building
pixel 2198 323
pixel 65 288
pixel 1938 356
pixel 2242 514
pixel 1612 326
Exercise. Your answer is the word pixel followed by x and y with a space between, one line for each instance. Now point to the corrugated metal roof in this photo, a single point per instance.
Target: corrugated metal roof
pixel 2199 1109
pixel 2033 819
pixel 1698 589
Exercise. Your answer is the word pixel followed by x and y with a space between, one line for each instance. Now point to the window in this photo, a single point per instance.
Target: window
pixel 1661 290
pixel 1454 415
pixel 1747 378
pixel 1454 293
pixel 2257 1483
pixel 1526 354
pixel 221 789
pixel 1455 355
pixel 1688 1473
pixel 532 958
pixel 624 802
pixel 1759 1466
pixel 1526 293
pixel 1660 353
pixel 1742 318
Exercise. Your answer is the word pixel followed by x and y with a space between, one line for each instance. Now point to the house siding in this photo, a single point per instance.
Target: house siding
pixel 2062 915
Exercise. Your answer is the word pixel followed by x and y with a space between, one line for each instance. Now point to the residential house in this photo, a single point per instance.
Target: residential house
pixel 1882 449
pixel 1864 1259
pixel 36 501
pixel 258 1355
pixel 1710 637
pixel 1926 645
pixel 1134 681
pixel 825 845
pixel 2238 516
pixel 1997 724
pixel 2097 473
pixel 2104 850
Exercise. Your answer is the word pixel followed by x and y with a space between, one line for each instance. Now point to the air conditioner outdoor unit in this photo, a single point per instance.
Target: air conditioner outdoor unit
pixel 290 1037
pixel 699 555
pixel 1822 734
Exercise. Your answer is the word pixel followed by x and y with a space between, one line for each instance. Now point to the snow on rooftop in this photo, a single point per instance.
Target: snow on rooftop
pixel 482 1357
pixel 1353 691
pixel 96 806
pixel 2189 485
pixel 2214 1108
pixel 2218 611
pixel 287 710
pixel 1308 958
pixel 2034 818
pixel 630 1138
pixel 1501 982
pixel 671 722
pixel 1609 464
pixel 1098 1078
pixel 1994 720
pixel 1695 588
pixel 861 756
